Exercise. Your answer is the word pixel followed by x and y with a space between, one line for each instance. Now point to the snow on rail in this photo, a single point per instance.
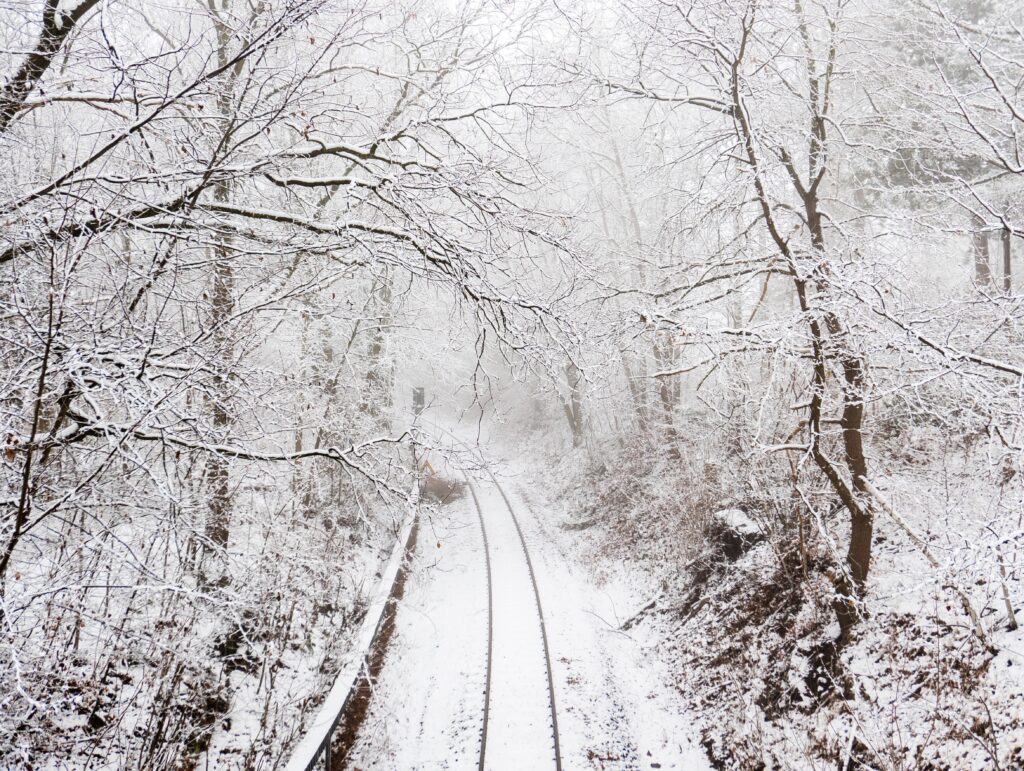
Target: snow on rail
pixel 519 691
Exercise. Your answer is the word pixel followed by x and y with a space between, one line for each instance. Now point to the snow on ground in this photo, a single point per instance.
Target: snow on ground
pixel 747 632
pixel 614 707
pixel 425 711
pixel 271 708
pixel 617 710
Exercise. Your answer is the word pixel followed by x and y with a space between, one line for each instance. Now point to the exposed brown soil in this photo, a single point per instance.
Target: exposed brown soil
pixel 441 490
pixel 358 704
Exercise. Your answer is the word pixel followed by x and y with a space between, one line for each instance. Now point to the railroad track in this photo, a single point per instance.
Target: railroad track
pixel 490 625
pixel 514 624
pixel 518 686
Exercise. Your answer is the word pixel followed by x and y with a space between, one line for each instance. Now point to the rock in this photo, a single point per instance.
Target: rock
pixel 733 532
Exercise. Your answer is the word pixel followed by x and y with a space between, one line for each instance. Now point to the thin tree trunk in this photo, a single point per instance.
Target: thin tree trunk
pixel 24 497
pixel 222 304
pixel 637 392
pixel 1007 265
pixel 982 257
pixel 218 477
pixel 380 370
pixel 574 407
pixel 666 393
pixel 828 343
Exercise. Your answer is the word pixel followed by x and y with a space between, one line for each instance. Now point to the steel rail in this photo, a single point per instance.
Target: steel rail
pixel 315 748
pixel 490 613
pixel 540 615
pixel 490 625
pixel 322 750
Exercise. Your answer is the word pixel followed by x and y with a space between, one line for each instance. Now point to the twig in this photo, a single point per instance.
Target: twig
pixel 979 629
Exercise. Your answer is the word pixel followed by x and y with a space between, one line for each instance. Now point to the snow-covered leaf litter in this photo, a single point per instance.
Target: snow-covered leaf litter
pixel 741 647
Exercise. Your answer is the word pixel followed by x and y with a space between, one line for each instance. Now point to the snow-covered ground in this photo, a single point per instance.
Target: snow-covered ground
pixel 747 632
pixel 614 707
pixel 426 709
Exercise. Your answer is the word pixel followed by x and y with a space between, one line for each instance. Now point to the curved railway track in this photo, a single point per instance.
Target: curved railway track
pixel 490 624
pixel 518 673
pixel 535 591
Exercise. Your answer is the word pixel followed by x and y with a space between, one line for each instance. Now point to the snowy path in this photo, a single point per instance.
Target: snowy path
pixel 613 711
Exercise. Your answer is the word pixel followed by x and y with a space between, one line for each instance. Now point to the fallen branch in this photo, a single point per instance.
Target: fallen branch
pixel 633 620
pixel 965 600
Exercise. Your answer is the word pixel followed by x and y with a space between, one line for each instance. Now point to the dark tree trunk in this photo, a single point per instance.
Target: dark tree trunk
pixel 574 406
pixel 1007 266
pixel 830 341
pixel 982 257
pixel 56 27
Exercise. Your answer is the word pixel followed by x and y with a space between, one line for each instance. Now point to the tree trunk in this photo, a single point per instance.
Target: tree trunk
pixel 982 266
pixel 858 557
pixel 215 570
pixel 380 373
pixel 218 524
pixel 574 407
pixel 1007 266
pixel 637 393
pixel 663 353
pixel 855 498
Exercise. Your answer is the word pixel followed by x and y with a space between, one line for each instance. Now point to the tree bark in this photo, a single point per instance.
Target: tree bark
pixel 574 407
pixel 664 356
pixel 637 393
pixel 982 257
pixel 222 305
pixel 56 29
pixel 1007 266
pixel 829 338
pixel 218 524
pixel 380 370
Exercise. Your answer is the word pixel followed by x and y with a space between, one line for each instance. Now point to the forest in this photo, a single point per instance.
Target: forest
pixel 685 335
